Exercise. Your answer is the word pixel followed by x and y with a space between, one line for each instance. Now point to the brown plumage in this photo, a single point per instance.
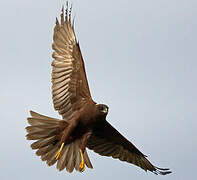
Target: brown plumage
pixel 83 121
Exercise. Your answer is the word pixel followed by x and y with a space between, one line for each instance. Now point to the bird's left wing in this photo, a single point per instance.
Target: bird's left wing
pixel 107 141
pixel 70 88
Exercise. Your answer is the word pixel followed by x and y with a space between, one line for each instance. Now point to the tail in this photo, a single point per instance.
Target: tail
pixel 45 131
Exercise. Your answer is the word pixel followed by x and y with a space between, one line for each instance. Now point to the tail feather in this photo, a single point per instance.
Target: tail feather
pixel 37 115
pixel 39 121
pixel 36 128
pixel 74 154
pixel 48 155
pixel 44 150
pixel 41 134
pixel 87 160
pixel 62 161
pixel 52 160
pixel 70 165
pixel 43 142
pixel 45 130
pixel 77 158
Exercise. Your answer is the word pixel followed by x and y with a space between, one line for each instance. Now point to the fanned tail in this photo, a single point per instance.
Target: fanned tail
pixel 46 131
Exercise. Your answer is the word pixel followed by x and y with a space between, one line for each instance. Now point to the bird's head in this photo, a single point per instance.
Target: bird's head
pixel 102 109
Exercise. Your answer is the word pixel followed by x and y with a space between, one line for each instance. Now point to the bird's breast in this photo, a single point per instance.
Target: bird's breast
pixel 88 116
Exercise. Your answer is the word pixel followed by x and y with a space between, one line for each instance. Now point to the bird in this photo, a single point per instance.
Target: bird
pixel 83 124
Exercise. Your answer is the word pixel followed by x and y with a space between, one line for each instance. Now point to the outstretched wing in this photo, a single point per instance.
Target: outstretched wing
pixel 70 88
pixel 107 141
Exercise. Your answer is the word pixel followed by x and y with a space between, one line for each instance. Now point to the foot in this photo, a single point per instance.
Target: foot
pixel 59 152
pixel 82 164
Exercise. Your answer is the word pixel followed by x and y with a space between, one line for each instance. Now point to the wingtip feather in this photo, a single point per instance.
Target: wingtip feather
pixel 162 171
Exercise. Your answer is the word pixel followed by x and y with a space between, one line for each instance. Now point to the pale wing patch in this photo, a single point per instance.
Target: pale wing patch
pixel 63 65
pixel 70 89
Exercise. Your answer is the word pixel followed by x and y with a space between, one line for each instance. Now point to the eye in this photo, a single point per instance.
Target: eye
pixel 101 108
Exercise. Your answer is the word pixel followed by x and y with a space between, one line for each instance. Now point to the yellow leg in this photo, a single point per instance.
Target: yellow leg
pixel 59 152
pixel 82 164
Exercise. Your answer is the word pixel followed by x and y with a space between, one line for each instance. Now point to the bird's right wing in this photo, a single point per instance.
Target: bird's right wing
pixel 107 141
pixel 70 88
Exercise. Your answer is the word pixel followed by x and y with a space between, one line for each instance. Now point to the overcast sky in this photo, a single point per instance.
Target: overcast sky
pixel 141 60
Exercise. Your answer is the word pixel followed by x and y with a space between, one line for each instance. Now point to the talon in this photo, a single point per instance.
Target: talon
pixel 59 152
pixel 82 167
pixel 82 164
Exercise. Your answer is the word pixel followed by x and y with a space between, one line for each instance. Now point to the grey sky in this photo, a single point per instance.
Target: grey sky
pixel 141 61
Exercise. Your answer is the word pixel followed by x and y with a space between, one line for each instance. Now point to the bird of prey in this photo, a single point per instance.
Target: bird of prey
pixel 83 122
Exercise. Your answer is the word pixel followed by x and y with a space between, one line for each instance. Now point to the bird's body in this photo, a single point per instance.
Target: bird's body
pixel 83 122
pixel 82 126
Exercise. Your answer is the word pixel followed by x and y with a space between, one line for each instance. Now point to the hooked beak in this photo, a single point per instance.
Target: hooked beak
pixel 105 110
